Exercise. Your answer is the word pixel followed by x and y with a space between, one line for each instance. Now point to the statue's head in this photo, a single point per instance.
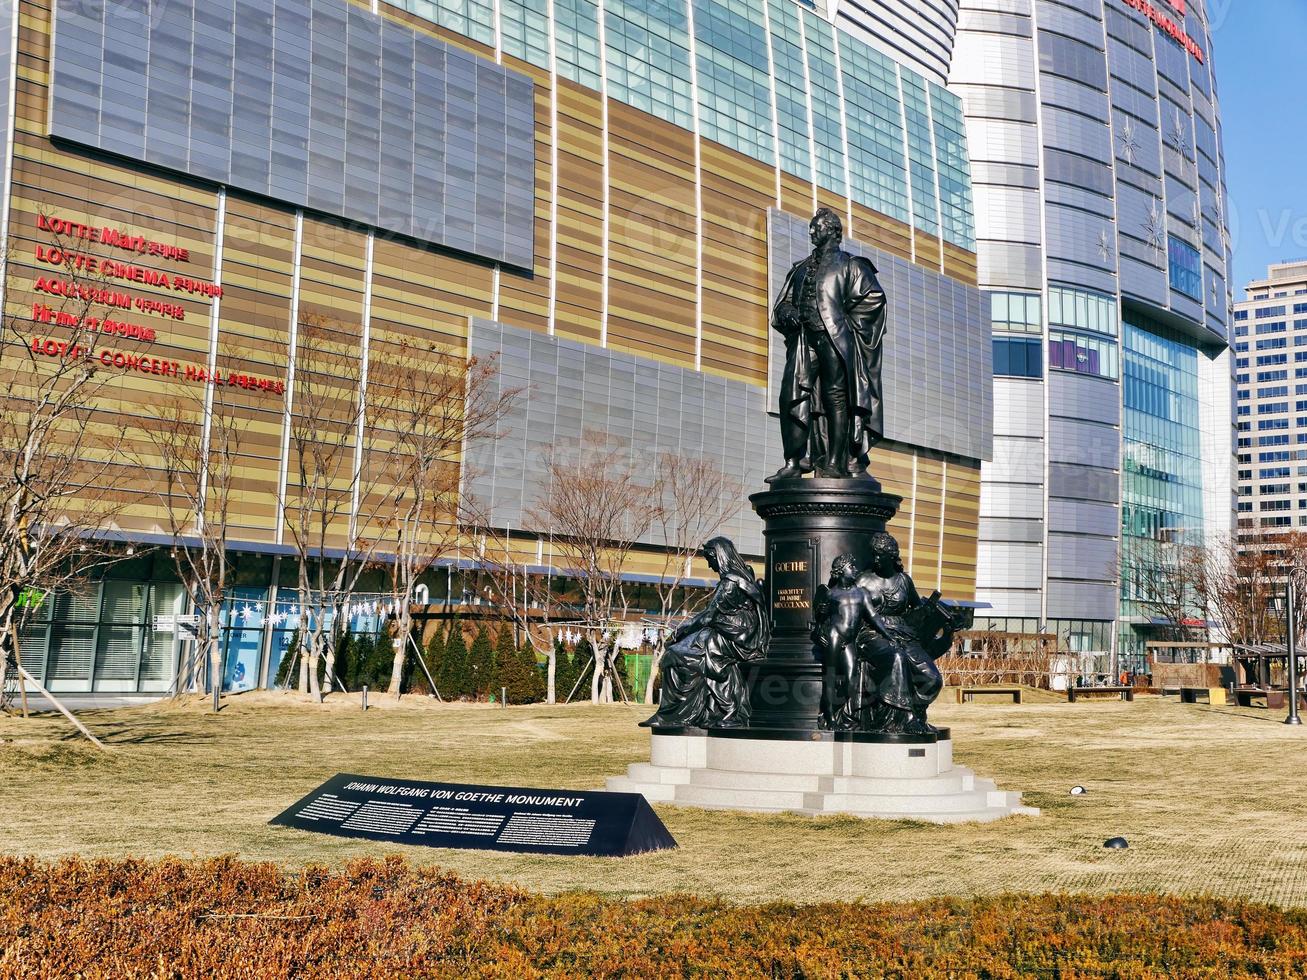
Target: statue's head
pixel 885 554
pixel 844 569
pixel 825 227
pixel 722 557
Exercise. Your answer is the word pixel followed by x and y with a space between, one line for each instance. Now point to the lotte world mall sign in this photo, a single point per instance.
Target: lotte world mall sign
pixel 1163 22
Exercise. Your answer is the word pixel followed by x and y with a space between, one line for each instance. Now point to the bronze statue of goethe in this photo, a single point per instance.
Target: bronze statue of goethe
pixel 831 312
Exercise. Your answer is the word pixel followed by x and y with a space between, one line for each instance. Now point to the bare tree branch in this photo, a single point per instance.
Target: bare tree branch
pixel 597 504
pixel 60 455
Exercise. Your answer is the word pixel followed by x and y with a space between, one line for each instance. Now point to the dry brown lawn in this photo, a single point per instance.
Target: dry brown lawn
pixel 1213 800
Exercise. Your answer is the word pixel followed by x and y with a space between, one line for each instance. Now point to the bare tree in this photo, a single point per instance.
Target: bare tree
pixel 59 456
pixel 695 498
pixel 687 499
pixel 1239 579
pixel 1165 578
pixel 999 657
pixel 596 506
pixel 333 495
pixel 435 402
pixel 528 601
pixel 1244 584
pixel 196 443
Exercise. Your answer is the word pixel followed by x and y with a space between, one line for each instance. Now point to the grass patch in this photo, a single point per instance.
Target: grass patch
pixel 1209 798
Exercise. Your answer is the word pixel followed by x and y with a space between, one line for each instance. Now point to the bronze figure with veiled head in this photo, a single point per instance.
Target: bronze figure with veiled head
pixel 704 684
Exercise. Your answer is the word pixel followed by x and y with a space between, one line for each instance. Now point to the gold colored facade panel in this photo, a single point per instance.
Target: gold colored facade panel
pixel 960 264
pixel 881 231
pixel 928 250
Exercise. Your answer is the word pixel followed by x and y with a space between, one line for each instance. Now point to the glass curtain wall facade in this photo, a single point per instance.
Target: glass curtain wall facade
pixel 1095 138
pixel 594 177
pixel 1161 478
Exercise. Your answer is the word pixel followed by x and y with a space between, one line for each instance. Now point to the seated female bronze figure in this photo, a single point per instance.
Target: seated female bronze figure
pixel 703 678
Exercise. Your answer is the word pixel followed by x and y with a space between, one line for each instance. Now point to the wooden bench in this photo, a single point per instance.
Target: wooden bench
pixel 1275 697
pixel 969 693
pixel 1125 693
pixel 1191 695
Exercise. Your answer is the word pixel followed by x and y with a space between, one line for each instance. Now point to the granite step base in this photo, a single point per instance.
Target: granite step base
pixel 891 781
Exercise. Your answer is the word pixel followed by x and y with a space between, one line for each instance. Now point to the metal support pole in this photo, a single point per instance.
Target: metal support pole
pixel 22 671
pixel 365 697
pixel 503 697
pixel 1291 647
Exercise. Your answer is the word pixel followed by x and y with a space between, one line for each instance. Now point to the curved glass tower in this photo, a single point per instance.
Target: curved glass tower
pixel 1095 136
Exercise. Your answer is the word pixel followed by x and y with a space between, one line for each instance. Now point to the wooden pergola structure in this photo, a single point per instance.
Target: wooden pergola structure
pixel 986 657
pixel 1188 663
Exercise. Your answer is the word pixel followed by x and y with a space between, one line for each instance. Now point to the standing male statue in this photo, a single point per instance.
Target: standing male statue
pixel 831 313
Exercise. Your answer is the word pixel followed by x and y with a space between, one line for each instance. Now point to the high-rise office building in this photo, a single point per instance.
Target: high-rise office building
pixel 1270 352
pixel 1095 137
pixel 604 193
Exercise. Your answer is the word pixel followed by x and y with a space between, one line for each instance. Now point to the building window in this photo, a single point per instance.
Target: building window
pixel 1083 354
pixel 103 639
pixel 1015 313
pixel 1186 268
pixel 648 59
pixel 1017 357
pixel 1079 310
pixel 734 90
pixel 1268 312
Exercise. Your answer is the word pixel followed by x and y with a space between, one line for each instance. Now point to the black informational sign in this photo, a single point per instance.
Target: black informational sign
pixel 496 818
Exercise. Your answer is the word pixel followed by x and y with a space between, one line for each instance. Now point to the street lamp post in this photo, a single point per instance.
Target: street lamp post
pixel 1291 648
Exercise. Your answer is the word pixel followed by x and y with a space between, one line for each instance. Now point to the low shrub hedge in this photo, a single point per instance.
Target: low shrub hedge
pixel 226 918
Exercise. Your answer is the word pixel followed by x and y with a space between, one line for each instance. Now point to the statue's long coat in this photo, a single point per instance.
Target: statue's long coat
pixel 852 307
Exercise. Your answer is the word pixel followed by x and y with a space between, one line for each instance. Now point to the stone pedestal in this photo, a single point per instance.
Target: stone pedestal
pixel 807 524
pixel 898 777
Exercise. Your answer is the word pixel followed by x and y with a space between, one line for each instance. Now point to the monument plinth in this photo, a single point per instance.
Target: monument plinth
pixel 807 525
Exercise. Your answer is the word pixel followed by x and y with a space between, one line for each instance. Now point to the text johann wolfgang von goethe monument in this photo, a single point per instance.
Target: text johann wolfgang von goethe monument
pixel 808 690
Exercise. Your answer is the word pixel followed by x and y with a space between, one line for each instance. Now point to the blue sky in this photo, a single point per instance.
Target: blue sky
pixel 1261 75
